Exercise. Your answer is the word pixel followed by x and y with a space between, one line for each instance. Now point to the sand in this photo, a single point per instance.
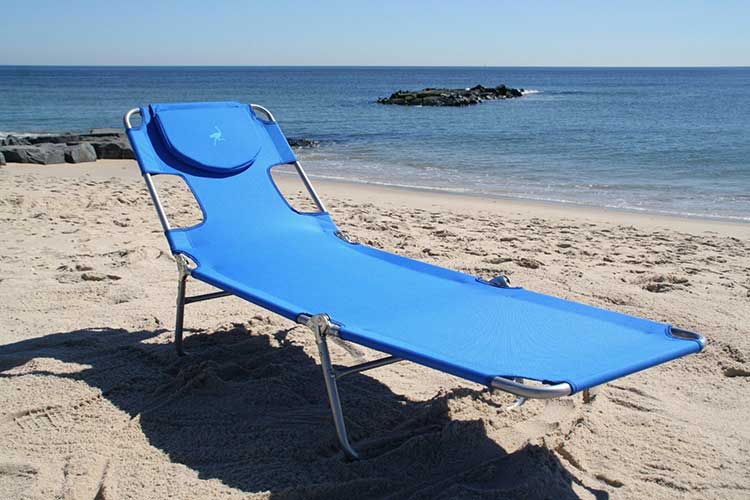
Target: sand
pixel 95 404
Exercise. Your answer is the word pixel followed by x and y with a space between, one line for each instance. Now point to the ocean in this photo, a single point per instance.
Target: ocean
pixel 660 140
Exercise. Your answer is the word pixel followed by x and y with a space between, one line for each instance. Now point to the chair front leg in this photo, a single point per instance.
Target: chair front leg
pixel 321 326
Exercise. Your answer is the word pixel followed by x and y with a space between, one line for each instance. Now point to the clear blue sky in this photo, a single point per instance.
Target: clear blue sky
pixel 450 33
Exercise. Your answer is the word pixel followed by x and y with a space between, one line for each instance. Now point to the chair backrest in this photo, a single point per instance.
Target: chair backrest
pixel 224 152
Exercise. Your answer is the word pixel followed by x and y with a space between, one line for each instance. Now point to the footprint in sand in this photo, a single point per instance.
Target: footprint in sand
pixel 734 371
pixel 528 263
pixel 87 274
pixel 94 276
pixel 737 363
pixel 664 283
pixel 17 479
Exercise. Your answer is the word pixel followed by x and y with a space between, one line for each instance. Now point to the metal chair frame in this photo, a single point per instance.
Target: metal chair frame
pixel 322 326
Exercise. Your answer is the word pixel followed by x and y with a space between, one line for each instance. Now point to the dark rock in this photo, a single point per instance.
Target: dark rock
pixel 80 153
pixel 49 154
pixel 110 144
pixel 303 143
pixel 105 131
pixel 63 138
pixel 12 154
pixel 12 140
pixel 450 97
pixel 43 154
pixel 107 144
pixel 113 149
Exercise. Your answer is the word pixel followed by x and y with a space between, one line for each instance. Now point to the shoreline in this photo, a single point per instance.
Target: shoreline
pixel 551 204
pixel 111 143
pixel 414 196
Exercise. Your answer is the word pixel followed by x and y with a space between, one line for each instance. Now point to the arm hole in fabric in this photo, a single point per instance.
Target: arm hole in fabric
pixel 290 186
pixel 178 201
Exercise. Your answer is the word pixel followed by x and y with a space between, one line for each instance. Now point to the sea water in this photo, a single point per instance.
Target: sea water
pixel 667 140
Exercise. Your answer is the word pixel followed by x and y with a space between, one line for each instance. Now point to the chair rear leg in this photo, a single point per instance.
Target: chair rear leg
pixel 179 319
pixel 183 271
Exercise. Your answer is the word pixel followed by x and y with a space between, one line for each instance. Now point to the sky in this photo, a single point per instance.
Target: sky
pixel 376 33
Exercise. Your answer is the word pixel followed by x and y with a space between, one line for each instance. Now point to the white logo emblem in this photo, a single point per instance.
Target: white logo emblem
pixel 216 136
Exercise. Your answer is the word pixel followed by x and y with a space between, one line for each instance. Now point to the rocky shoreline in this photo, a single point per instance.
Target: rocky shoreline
pixel 450 97
pixel 70 147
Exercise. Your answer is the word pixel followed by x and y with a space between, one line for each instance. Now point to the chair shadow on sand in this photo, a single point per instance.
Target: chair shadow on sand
pixel 251 411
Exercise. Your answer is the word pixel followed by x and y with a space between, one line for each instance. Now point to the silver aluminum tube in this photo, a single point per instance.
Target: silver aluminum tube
pixel 309 187
pixel 264 111
pixel 685 334
pixel 206 296
pixel 530 391
pixel 157 202
pixel 147 177
pixel 126 118
pixel 367 366
pixel 297 165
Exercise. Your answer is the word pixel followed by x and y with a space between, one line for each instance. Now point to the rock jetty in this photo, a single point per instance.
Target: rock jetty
pixel 450 97
pixel 66 147
pixel 69 147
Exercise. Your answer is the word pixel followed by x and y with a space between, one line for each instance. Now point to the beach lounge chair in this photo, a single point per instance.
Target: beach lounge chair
pixel 254 245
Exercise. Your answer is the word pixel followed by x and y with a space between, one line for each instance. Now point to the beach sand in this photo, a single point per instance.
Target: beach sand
pixel 95 404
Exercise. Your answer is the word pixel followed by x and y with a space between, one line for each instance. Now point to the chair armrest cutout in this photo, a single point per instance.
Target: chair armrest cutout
pixel 178 201
pixel 291 187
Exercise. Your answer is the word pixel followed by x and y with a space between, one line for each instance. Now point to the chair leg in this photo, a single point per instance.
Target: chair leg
pixel 183 273
pixel 181 285
pixel 329 376
pixel 589 395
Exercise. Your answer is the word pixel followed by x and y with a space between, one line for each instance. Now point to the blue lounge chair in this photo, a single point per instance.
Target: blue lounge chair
pixel 254 245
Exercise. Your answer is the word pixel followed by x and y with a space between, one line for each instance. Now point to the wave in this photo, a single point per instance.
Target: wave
pixel 530 91
pixel 3 135
pixel 416 187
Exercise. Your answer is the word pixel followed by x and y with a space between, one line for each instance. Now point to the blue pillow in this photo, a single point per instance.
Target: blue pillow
pixel 218 137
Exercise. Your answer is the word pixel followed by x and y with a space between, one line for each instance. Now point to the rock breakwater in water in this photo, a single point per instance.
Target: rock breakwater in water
pixel 450 97
pixel 70 147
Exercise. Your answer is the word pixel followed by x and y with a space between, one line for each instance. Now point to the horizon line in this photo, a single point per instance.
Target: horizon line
pixel 4 65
